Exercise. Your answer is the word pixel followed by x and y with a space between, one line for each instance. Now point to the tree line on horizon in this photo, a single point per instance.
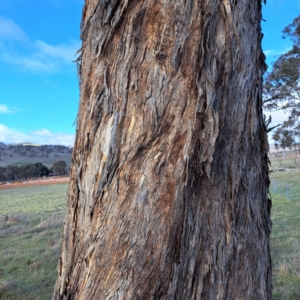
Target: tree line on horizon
pixel 14 173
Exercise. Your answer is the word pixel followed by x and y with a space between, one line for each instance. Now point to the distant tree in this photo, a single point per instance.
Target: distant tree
pixel 45 147
pixel 24 171
pixel 48 151
pixel 11 173
pixel 288 135
pixel 30 170
pixel 41 170
pixel 283 139
pixel 59 168
pixel 282 86
pixel 2 174
pixel 60 148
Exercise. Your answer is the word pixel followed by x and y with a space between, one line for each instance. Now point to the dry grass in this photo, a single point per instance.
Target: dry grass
pixel 287 276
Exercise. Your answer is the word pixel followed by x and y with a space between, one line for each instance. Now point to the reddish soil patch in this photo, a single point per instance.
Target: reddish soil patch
pixel 33 182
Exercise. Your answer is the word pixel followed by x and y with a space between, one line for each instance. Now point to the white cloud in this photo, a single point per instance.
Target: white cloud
pixel 29 63
pixel 45 58
pixel 42 136
pixel 42 132
pixel 9 135
pixel 37 56
pixel 276 52
pixel 4 109
pixel 10 30
pixel 269 52
pixel 65 52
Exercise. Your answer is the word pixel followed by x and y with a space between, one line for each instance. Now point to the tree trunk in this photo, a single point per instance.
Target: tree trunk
pixel 169 176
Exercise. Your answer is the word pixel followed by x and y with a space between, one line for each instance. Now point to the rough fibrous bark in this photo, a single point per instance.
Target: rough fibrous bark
pixel 169 178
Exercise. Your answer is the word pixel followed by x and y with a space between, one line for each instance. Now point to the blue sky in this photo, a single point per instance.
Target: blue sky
pixel 39 92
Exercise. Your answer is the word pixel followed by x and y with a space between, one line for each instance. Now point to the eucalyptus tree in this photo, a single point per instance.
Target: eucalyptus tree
pixel 169 177
pixel 282 88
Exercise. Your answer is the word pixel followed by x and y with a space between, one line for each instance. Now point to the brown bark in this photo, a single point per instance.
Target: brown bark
pixel 169 176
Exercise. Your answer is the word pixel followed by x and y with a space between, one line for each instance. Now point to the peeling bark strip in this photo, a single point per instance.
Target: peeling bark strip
pixel 169 182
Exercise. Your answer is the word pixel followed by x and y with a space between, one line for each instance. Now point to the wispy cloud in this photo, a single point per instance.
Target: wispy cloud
pixel 275 52
pixel 269 52
pixel 9 135
pixel 10 30
pixel 42 132
pixel 44 58
pixel 30 63
pixel 4 109
pixel 42 136
pixel 65 52
pixel 38 56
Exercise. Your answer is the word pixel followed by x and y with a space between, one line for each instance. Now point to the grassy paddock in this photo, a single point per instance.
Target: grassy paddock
pixel 285 238
pixel 292 162
pixel 30 233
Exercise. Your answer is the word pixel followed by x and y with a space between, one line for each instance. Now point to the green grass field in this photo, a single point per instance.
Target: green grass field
pixel 290 162
pixel 285 237
pixel 30 232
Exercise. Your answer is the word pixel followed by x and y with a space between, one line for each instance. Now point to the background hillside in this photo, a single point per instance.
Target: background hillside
pixel 28 153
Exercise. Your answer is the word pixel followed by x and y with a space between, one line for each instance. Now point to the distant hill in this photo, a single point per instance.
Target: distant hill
pixel 29 153
pixel 25 144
